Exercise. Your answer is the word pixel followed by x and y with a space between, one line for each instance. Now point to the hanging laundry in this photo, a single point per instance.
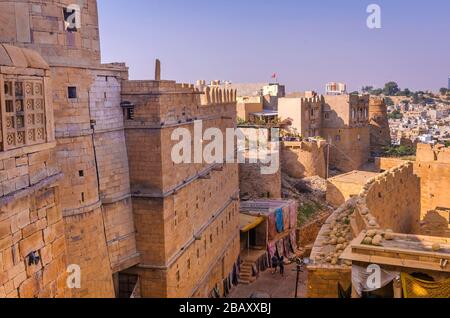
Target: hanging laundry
pixel 279 220
pixel 280 248
pixel 272 249
pixel 287 247
pixel 272 228
pixel 286 217
pixel 293 216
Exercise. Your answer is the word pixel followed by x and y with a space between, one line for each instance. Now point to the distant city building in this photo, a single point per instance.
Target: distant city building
pixel 242 89
pixel 448 85
pixel 248 105
pixel 426 139
pixel 334 88
pixel 274 90
pixel 342 120
pixel 271 94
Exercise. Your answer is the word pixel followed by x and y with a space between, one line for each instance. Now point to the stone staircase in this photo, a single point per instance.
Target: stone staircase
pixel 246 274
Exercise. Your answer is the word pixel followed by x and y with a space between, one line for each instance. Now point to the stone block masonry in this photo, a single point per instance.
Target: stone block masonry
pixel 33 224
pixel 113 168
pixel 33 255
pixel 304 159
pixel 432 167
pixel 86 247
pixel 343 121
pixel 253 184
pixel 120 205
pixel 82 211
pixel 39 25
pixel 186 215
pixel 380 135
pixel 389 200
pixel 349 147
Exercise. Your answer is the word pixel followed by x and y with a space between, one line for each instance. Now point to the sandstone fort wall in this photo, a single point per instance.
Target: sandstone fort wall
pixel 303 159
pixel 372 208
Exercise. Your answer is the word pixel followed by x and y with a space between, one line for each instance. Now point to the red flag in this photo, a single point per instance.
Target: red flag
pixel 274 75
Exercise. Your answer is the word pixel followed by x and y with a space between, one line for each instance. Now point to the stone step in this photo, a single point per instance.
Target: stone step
pixel 246 281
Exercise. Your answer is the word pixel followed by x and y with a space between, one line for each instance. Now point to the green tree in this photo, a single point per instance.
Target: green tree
pixel 443 91
pixel 395 115
pixel 367 89
pixel 376 92
pixel 389 101
pixel 399 151
pixel 391 89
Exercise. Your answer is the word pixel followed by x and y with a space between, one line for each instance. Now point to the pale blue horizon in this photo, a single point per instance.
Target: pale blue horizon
pixel 306 43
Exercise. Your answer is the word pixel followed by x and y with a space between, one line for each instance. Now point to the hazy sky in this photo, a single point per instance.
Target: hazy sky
pixel 308 43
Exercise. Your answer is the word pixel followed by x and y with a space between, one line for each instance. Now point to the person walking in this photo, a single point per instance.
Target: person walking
pixel 274 264
pixel 281 264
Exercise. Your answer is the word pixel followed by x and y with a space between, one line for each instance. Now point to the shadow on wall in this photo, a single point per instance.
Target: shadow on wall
pixel 436 223
pixel 394 200
pixel 335 197
pixel 292 164
pixel 303 159
pixel 333 120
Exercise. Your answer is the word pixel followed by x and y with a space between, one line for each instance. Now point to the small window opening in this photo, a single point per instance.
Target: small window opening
pixel 72 92
pixel 130 113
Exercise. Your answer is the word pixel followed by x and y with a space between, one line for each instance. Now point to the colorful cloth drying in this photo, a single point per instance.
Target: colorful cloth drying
pixel 272 227
pixel 293 216
pixel 279 220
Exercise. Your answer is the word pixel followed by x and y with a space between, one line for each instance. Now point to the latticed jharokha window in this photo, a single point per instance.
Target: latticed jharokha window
pixel 23 113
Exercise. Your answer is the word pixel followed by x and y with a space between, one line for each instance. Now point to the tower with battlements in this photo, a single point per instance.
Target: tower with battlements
pixel 380 135
pixel 186 215
pixel 92 157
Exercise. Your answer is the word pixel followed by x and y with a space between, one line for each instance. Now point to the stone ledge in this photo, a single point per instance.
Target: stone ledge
pixel 74 134
pixel 178 187
pixel 26 150
pixel 126 263
pixel 82 210
pixel 27 191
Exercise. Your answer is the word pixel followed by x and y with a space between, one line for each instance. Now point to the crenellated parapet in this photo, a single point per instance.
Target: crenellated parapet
pixel 215 95
pixel 377 107
pixel 380 134
pixel 302 159
pixel 374 211
pixel 315 99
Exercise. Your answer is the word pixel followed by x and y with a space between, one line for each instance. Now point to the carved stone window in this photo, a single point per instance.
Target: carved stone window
pixel 72 18
pixel 22 113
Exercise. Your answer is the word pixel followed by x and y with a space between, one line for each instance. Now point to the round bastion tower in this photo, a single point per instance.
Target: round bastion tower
pixel 380 135
pixel 66 34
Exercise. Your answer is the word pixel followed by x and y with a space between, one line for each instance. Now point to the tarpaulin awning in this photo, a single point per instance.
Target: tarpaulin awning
pixel 417 288
pixel 249 222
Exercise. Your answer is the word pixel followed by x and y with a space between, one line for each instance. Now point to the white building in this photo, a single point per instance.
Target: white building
pixel 334 88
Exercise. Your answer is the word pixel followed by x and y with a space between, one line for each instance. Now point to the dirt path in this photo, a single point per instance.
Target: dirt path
pixel 274 285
